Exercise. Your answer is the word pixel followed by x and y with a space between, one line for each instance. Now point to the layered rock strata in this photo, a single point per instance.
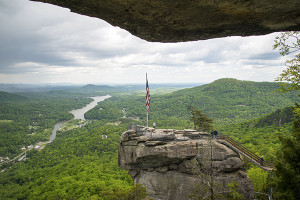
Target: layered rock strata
pixel 189 20
pixel 172 164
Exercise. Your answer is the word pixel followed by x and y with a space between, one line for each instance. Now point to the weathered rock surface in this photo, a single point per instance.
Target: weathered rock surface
pixel 172 163
pixel 189 20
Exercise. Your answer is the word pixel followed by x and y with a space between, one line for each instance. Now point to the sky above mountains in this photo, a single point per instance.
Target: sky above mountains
pixel 42 43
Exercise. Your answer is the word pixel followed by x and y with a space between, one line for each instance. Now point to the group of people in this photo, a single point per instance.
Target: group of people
pixel 214 133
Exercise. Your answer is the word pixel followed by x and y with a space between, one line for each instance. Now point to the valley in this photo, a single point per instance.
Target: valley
pixel 82 161
pixel 78 114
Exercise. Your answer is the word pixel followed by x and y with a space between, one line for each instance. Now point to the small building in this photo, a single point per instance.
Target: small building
pixel 23 148
pixel 134 118
pixel 22 158
pixel 37 147
pixel 104 136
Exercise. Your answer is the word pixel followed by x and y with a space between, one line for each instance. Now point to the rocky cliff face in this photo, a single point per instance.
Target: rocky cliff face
pixel 172 164
pixel 188 20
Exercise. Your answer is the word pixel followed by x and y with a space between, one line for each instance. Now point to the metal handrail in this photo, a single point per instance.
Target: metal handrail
pixel 252 156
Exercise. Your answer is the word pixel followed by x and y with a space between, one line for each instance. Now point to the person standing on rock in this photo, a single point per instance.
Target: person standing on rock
pixel 154 124
pixel 215 133
pixel 262 160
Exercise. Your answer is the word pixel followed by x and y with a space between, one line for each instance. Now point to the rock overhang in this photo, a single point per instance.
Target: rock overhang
pixel 190 20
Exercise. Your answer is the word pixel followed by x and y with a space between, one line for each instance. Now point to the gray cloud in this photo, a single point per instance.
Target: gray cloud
pixel 266 56
pixel 41 42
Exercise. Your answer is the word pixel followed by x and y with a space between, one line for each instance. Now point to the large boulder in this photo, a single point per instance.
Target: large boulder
pixel 174 168
pixel 189 20
pixel 173 185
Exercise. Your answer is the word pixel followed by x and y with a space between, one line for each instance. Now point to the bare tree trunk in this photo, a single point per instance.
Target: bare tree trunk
pixel 211 171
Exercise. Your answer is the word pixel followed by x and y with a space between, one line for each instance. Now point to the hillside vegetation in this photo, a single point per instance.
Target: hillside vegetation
pixel 225 101
pixel 79 164
pixel 26 123
pixel 261 135
pixel 6 97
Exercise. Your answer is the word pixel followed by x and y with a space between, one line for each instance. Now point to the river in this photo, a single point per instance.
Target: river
pixel 78 114
pixel 56 127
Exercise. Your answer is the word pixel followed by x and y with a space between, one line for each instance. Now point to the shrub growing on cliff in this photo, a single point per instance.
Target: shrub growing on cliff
pixel 233 193
pixel 201 121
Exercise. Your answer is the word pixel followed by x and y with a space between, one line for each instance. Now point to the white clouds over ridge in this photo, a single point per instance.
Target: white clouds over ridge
pixel 44 43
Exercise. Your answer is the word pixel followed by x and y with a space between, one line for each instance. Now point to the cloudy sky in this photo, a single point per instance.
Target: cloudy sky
pixel 42 43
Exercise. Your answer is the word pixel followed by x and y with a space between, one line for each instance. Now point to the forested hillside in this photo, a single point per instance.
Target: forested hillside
pixel 25 123
pixel 79 164
pixel 261 135
pixel 6 97
pixel 224 100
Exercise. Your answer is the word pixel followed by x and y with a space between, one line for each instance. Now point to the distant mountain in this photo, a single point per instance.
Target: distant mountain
pixel 6 97
pixel 233 99
pixel 225 100
pixel 96 87
pixel 21 88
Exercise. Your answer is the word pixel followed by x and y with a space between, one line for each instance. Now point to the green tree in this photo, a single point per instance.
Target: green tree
pixel 288 43
pixel 287 174
pixel 259 178
pixel 233 193
pixel 137 192
pixel 201 121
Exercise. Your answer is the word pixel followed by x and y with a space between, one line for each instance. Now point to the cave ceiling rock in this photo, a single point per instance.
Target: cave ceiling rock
pixel 190 20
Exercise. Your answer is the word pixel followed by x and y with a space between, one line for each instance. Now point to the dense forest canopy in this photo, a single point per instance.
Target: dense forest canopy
pixel 24 124
pixel 79 164
pixel 6 97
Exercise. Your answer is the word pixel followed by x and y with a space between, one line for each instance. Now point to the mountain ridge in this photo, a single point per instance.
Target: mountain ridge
pixel 224 100
pixel 6 97
pixel 227 95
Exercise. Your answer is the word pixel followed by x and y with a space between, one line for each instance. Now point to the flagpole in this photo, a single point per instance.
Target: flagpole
pixel 146 100
pixel 147 118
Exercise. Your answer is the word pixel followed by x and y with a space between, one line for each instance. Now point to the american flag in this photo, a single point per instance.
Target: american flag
pixel 147 95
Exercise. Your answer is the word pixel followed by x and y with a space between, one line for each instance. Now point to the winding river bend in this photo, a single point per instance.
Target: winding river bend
pixel 78 114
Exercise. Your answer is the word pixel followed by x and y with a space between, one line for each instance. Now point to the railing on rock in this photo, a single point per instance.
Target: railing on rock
pixel 268 166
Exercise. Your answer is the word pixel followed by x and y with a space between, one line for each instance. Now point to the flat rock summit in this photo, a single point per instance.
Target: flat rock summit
pixel 190 20
pixel 173 164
